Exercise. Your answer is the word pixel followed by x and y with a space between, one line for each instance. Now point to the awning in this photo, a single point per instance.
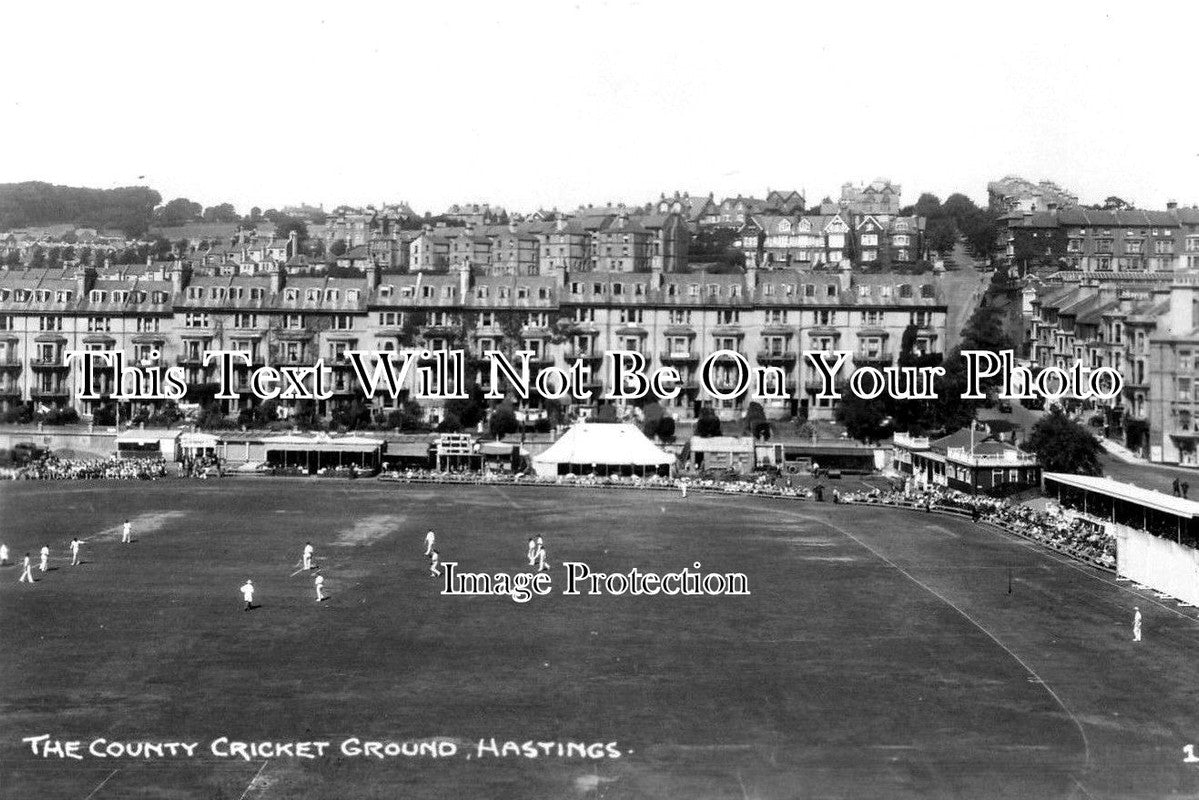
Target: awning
pixel 196 440
pixel 323 444
pixel 1159 501
pixel 146 436
pixel 501 449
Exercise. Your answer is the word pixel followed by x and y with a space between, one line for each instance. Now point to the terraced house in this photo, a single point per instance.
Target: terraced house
pixel 170 314
pixel 1146 326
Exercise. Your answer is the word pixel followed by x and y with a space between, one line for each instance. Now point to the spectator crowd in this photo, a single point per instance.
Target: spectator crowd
pixel 52 468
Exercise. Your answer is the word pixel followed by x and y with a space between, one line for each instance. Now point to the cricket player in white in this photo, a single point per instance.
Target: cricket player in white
pixel 319 582
pixel 45 558
pixel 430 538
pixel 75 551
pixel 26 572
pixel 541 559
pixel 434 560
pixel 1136 623
pixel 125 533
pixel 532 554
pixel 308 556
pixel 3 554
pixel 247 593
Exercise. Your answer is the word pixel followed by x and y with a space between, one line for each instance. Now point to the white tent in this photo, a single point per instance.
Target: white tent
pixel 602 449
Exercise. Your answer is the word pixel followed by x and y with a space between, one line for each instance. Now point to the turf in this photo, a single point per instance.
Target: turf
pixel 879 655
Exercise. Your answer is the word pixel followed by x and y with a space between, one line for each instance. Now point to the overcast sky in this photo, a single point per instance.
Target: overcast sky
pixel 554 104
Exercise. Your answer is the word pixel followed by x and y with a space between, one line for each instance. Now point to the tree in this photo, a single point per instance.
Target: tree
pixel 178 212
pixel 284 225
pixel 338 248
pixel 503 421
pixel 1114 203
pixel 981 231
pixel 224 213
pixel 1062 445
pixel 666 429
pixel 450 423
pixel 652 415
pixel 929 205
pixel 864 420
pixel 941 234
pixel 708 424
pixel 958 206
pixel 606 414
pixel 755 421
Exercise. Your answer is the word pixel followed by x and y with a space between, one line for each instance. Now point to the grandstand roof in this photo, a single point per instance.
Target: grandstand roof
pixel 1130 493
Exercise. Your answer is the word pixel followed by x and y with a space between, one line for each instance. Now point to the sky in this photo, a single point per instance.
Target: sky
pixel 552 104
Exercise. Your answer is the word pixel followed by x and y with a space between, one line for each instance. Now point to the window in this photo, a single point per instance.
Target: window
pixel 830 290
pixel 342 322
pixel 631 316
pixel 99 324
pixel 256 292
pixel 291 295
pixel 680 316
pixel 147 324
pixel 293 321
pixel 245 321
pixel 776 316
pixel 728 316
pixel 195 321
pixel 389 318
pixel 49 323
pixel 872 318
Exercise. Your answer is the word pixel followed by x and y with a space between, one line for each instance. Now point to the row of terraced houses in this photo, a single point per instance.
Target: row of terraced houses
pixel 167 314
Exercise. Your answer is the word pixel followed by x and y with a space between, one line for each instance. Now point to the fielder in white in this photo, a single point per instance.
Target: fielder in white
pixel 26 572
pixel 541 560
pixel 532 554
pixel 430 538
pixel 3 554
pixel 1136 623
pixel 125 531
pixel 247 593
pixel 308 556
pixel 434 560
pixel 75 551
pixel 319 582
pixel 45 558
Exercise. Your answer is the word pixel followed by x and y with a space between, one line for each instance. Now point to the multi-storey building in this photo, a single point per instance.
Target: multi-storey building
pixel 812 240
pixel 879 197
pixel 1105 241
pixel 1013 194
pixel 1144 325
pixel 170 315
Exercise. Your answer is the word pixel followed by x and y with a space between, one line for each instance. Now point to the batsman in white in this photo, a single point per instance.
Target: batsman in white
pixel 319 583
pixel 308 555
pixel 45 558
pixel 75 551
pixel 125 531
pixel 430 538
pixel 26 572
pixel 247 593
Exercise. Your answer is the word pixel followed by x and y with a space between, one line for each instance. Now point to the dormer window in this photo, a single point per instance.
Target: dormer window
pixel 312 295
pixel 352 295
pixel 255 292
pixel 332 295
pixel 193 293
pixel 98 296
pixel 385 291
pixel 291 295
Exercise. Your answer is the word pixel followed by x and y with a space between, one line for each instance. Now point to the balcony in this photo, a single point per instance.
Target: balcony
pixel 190 360
pixel 878 360
pixel 10 364
pixel 577 354
pixel 48 364
pixel 10 391
pixel 50 393
pixel 776 357
pixel 678 357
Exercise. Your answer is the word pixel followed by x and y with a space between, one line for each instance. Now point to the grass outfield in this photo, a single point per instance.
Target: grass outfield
pixel 880 654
